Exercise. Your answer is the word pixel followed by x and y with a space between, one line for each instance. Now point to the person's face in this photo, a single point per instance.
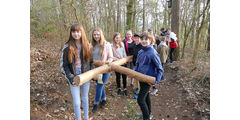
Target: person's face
pixel 169 31
pixel 129 35
pixel 96 36
pixel 76 35
pixel 145 42
pixel 137 39
pixel 117 39
pixel 150 32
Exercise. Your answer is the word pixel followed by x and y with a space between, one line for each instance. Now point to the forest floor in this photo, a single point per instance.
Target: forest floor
pixel 185 95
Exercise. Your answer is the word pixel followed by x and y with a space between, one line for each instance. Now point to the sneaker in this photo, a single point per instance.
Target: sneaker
pixel 119 92
pixel 151 116
pixel 154 91
pixel 95 107
pixel 139 115
pixel 136 96
pixel 125 93
pixel 103 103
pixel 136 91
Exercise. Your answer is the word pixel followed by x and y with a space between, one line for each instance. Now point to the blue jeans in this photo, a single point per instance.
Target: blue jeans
pixel 100 90
pixel 75 91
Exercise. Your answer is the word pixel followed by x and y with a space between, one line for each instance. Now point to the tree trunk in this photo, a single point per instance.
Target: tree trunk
pixel 134 16
pixel 208 39
pixel 143 27
pixel 63 14
pixel 165 16
pixel 118 15
pixel 187 32
pixel 130 11
pixel 195 52
pixel 175 25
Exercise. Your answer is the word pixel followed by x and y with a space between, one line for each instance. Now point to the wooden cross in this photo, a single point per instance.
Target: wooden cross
pixel 113 66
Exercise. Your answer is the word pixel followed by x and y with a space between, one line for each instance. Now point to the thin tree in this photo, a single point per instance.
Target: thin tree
pixel 143 27
pixel 175 25
pixel 199 30
pixel 130 10
pixel 118 15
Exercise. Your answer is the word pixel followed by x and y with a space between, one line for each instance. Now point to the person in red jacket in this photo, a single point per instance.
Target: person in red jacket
pixel 172 38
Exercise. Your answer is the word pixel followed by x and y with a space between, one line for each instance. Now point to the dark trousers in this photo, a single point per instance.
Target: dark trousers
pixel 171 54
pixel 118 77
pixel 144 100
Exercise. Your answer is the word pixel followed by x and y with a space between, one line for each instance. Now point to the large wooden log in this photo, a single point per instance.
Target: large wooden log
pixel 86 76
pixel 104 68
pixel 133 74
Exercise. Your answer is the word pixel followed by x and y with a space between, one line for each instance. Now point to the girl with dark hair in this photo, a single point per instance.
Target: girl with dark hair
pixel 76 59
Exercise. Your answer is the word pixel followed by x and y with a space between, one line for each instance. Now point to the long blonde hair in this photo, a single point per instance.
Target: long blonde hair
pixel 101 41
pixel 151 38
pixel 72 52
pixel 114 42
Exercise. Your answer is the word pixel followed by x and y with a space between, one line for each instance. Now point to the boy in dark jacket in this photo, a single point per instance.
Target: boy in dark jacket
pixel 148 63
pixel 137 48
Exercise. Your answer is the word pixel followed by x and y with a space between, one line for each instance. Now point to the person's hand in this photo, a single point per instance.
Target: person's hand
pixel 130 60
pixel 74 84
pixel 96 77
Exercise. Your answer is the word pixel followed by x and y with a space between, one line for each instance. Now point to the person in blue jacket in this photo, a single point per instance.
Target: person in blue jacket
pixel 148 63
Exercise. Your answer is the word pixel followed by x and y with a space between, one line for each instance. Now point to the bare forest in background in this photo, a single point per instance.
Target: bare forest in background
pixel 189 19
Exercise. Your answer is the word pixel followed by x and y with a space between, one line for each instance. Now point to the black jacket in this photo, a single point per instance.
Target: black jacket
pixel 135 54
pixel 67 68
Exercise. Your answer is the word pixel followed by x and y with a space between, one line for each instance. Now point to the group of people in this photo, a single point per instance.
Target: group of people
pixel 78 55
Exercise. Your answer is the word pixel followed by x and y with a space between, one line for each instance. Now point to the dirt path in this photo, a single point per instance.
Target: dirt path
pixel 51 99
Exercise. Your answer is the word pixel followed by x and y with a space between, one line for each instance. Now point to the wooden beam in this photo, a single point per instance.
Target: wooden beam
pixel 133 74
pixel 86 76
pixel 114 66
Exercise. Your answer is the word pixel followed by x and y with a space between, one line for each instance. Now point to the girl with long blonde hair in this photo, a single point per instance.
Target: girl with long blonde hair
pixel 101 51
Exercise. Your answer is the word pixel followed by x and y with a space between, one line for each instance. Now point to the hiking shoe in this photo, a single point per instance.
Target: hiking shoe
pixel 95 107
pixel 136 91
pixel 119 92
pixel 139 115
pixel 125 93
pixel 154 91
pixel 136 96
pixel 103 103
